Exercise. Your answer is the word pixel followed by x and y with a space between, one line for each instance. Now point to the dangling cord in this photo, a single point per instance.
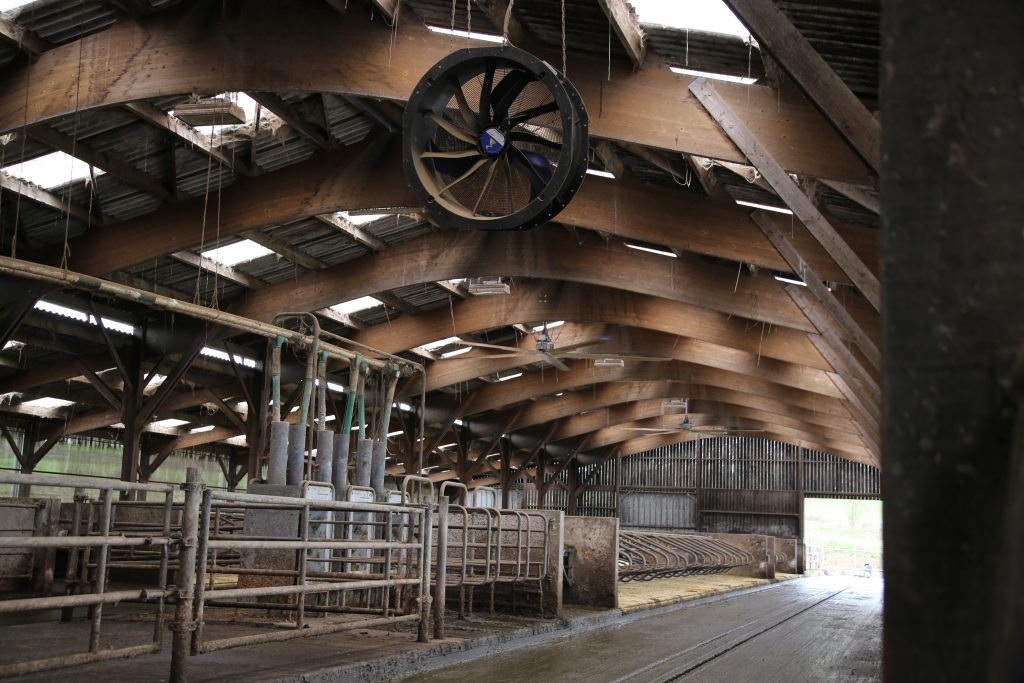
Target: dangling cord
pixel 564 67
pixel 469 18
pixel 451 35
pixel 74 141
pixel 24 137
pixel 508 20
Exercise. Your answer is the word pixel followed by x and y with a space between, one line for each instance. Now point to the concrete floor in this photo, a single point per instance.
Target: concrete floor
pixel 816 629
pixel 791 631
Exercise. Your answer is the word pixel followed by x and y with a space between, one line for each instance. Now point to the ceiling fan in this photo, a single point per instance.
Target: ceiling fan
pixel 546 350
pixel 688 426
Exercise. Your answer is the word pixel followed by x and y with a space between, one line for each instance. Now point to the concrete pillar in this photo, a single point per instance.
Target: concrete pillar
pixel 380 454
pixel 364 457
pixel 339 472
pixel 296 453
pixel 325 456
pixel 278 457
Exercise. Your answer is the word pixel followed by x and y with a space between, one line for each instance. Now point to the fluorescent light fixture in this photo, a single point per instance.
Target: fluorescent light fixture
pixel 661 252
pixel 609 363
pixel 404 407
pixel 396 433
pixel 508 377
pixel 199 430
pixel 559 393
pixel 51 170
pixel 169 422
pixel 459 422
pixel 82 316
pixel 551 326
pixel 600 174
pixel 711 16
pixel 446 445
pixel 489 37
pixel 790 280
pixel 48 402
pixel 457 352
pixel 712 75
pixel 239 252
pixel 211 352
pixel 360 219
pixel 766 207
pixel 363 303
pixel 334 386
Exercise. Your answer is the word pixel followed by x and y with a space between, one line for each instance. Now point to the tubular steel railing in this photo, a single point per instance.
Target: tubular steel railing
pixel 91 542
pixel 370 570
pixel 487 548
pixel 647 555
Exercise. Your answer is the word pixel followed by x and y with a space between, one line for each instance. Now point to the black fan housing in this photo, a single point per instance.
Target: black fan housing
pixel 495 139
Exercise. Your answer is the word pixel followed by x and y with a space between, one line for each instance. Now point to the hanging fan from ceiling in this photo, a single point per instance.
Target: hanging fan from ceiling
pixel 494 139
pixel 546 350
pixel 688 426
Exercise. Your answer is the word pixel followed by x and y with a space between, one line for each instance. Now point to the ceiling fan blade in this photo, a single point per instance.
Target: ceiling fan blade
pixel 624 356
pixel 578 345
pixel 554 361
pixel 484 345
pixel 663 430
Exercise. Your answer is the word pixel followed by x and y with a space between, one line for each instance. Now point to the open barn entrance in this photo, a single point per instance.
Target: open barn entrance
pixel 843 536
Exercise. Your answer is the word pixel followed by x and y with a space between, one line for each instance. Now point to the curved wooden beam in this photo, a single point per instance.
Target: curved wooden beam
pixel 367 176
pixel 504 394
pixel 534 301
pixel 543 253
pixel 451 371
pixel 200 50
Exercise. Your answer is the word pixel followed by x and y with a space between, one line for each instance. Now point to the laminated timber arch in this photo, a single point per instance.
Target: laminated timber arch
pixel 546 254
pixel 172 54
pixel 369 175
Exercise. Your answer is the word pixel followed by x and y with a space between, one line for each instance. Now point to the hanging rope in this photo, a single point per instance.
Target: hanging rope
pixel 66 252
pixel 565 70
pixel 508 20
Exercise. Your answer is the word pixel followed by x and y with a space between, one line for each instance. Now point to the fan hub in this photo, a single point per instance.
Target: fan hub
pixel 492 142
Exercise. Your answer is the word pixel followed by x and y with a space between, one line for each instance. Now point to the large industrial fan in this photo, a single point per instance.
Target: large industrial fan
pixel 494 139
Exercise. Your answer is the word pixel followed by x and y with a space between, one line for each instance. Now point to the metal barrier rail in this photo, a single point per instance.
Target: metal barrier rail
pixel 488 547
pixel 373 563
pixel 90 542
pixel 648 555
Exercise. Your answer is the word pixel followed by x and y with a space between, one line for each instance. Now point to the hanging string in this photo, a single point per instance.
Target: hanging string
pixel 508 20
pixel 66 253
pixel 469 18
pixel 24 136
pixel 565 70
pixel 451 34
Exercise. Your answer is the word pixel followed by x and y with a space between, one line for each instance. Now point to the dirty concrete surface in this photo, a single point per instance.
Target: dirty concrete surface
pixel 816 629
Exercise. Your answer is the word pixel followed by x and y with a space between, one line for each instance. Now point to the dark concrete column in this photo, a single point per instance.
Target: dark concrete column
pixel 953 318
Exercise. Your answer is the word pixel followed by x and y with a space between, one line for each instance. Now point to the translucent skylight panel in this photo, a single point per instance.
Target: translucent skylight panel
pixel 11 5
pixel 697 15
pixel 363 303
pixel 82 316
pixel 50 170
pixel 360 219
pixel 239 252
pixel 489 37
pixel 716 76
pixel 211 352
pixel 170 422
pixel 447 341
pixel 48 402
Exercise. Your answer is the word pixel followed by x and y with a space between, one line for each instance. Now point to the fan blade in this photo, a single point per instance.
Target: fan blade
pixel 531 113
pixel 483 345
pixel 467 114
pixel 487 184
pixel 554 361
pixel 661 430
pixel 539 174
pixel 452 129
pixel 533 139
pixel 625 356
pixel 461 154
pixel 472 169
pixel 562 350
pixel 506 92
pixel 485 94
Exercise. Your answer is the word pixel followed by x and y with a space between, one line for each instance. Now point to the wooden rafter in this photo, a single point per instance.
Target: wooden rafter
pixel 826 235
pixel 776 34
pixel 623 20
